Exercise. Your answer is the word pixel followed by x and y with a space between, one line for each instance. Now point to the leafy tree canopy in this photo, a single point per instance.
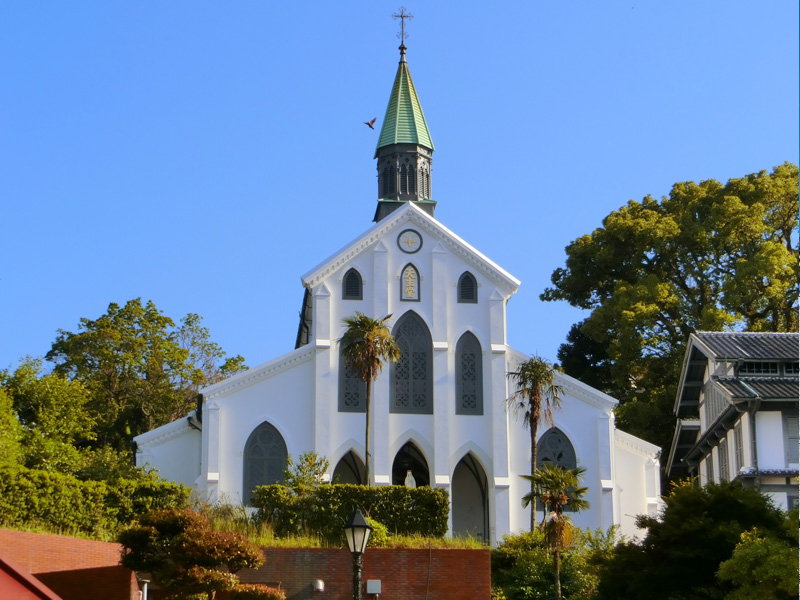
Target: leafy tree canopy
pixel 708 257
pixel 684 547
pixel 10 432
pixel 140 369
pixel 185 556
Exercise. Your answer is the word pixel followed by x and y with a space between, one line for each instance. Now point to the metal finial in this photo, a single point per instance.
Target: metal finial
pixel 402 15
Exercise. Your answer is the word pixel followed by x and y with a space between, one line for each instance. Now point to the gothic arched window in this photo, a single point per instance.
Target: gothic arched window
pixel 469 376
pixel 554 447
pixel 409 283
pixel 385 182
pixel 392 181
pixel 264 459
pixel 467 288
pixel 352 286
pixel 352 389
pixel 412 375
pixel 404 179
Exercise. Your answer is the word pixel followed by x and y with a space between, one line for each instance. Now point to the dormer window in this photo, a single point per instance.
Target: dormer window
pixel 352 287
pixel 467 288
pixel 758 368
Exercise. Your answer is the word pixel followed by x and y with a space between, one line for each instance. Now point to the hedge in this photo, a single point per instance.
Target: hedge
pixel 54 501
pixel 325 509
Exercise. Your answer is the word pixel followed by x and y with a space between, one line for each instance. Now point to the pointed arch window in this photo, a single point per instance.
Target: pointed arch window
pixel 412 375
pixel 352 389
pixel 392 181
pixel 469 376
pixel 404 179
pixel 554 447
pixel 264 459
pixel 352 286
pixel 409 284
pixel 467 288
pixel 385 182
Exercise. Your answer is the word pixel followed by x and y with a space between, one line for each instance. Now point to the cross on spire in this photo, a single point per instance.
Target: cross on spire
pixel 402 15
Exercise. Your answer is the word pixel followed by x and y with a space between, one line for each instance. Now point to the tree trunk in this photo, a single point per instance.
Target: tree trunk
pixel 534 427
pixel 366 435
pixel 557 569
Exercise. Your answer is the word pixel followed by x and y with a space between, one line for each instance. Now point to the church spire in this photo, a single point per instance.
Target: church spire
pixel 405 148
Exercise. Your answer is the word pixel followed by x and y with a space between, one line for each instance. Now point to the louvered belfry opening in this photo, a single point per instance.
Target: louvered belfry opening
pixel 352 286
pixel 467 288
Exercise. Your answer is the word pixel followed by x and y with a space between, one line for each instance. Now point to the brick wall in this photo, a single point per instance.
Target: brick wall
pixel 86 570
pixel 405 574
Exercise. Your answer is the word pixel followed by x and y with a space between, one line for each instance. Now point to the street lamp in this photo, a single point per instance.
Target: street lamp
pixel 357 531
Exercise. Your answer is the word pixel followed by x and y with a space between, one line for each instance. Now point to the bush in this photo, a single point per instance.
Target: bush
pixel 58 502
pixel 407 511
pixel 256 591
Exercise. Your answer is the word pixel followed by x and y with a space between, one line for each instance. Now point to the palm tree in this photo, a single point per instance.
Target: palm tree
pixel 536 398
pixel 365 345
pixel 557 488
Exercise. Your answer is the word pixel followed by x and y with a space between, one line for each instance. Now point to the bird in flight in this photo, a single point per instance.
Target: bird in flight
pixel 371 123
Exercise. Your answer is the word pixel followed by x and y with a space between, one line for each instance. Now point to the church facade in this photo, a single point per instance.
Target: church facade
pixel 440 411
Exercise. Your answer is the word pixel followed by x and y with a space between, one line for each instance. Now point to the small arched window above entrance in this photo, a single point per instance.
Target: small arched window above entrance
pixel 467 288
pixel 352 286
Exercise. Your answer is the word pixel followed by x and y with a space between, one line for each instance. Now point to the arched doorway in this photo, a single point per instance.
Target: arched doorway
pixel 409 458
pixel 264 459
pixel 470 499
pixel 350 469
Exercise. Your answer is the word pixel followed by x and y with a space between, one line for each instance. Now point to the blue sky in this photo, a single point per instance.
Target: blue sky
pixel 205 155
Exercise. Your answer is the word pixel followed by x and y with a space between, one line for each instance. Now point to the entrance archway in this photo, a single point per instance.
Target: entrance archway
pixel 470 499
pixel 350 469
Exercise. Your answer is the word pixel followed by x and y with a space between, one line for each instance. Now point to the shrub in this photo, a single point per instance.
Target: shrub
pixel 256 591
pixel 58 502
pixel 421 511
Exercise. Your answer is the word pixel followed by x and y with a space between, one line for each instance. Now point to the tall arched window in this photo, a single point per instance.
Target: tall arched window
pixel 264 459
pixel 404 179
pixel 467 288
pixel 392 181
pixel 412 375
pixel 385 182
pixel 352 286
pixel 352 389
pixel 469 376
pixel 554 447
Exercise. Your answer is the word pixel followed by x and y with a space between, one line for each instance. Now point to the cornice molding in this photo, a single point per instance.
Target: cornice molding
pixel 399 218
pixel 635 444
pixel 261 372
pixel 163 434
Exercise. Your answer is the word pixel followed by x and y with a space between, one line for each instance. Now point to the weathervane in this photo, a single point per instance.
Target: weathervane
pixel 402 15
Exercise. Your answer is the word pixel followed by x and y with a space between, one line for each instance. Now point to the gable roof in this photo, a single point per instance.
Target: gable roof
pixel 24 586
pixel 408 213
pixel 721 345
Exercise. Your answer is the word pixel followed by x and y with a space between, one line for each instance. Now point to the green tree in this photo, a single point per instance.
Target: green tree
pixel 557 488
pixel 307 474
pixel 53 412
pixel 535 398
pixel 764 567
pixel 708 257
pixel 139 369
pixel 10 432
pixel 365 345
pixel 185 556
pixel 683 547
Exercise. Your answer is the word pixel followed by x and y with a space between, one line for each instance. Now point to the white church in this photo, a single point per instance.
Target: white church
pixel 440 411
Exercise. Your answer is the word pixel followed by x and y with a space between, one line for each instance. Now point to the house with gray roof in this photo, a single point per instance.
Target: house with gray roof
pixel 737 412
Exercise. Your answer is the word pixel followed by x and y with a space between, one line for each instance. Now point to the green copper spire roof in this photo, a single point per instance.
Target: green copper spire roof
pixel 404 122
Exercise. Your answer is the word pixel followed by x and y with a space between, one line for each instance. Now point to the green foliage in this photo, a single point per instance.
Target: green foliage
pixel 763 566
pixel 256 591
pixel 10 432
pixel 684 547
pixel 61 502
pixel 140 371
pixel 185 556
pixel 709 257
pixel 307 474
pixel 379 536
pixel 54 416
pixel 422 510
pixel 522 566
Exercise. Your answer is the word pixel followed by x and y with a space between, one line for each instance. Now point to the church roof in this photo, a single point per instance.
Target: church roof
pixel 404 122
pixel 408 213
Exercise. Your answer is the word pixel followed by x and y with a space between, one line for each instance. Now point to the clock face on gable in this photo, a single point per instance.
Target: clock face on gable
pixel 409 241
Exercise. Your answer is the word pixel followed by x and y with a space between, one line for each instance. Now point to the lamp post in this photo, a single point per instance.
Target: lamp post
pixel 357 531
